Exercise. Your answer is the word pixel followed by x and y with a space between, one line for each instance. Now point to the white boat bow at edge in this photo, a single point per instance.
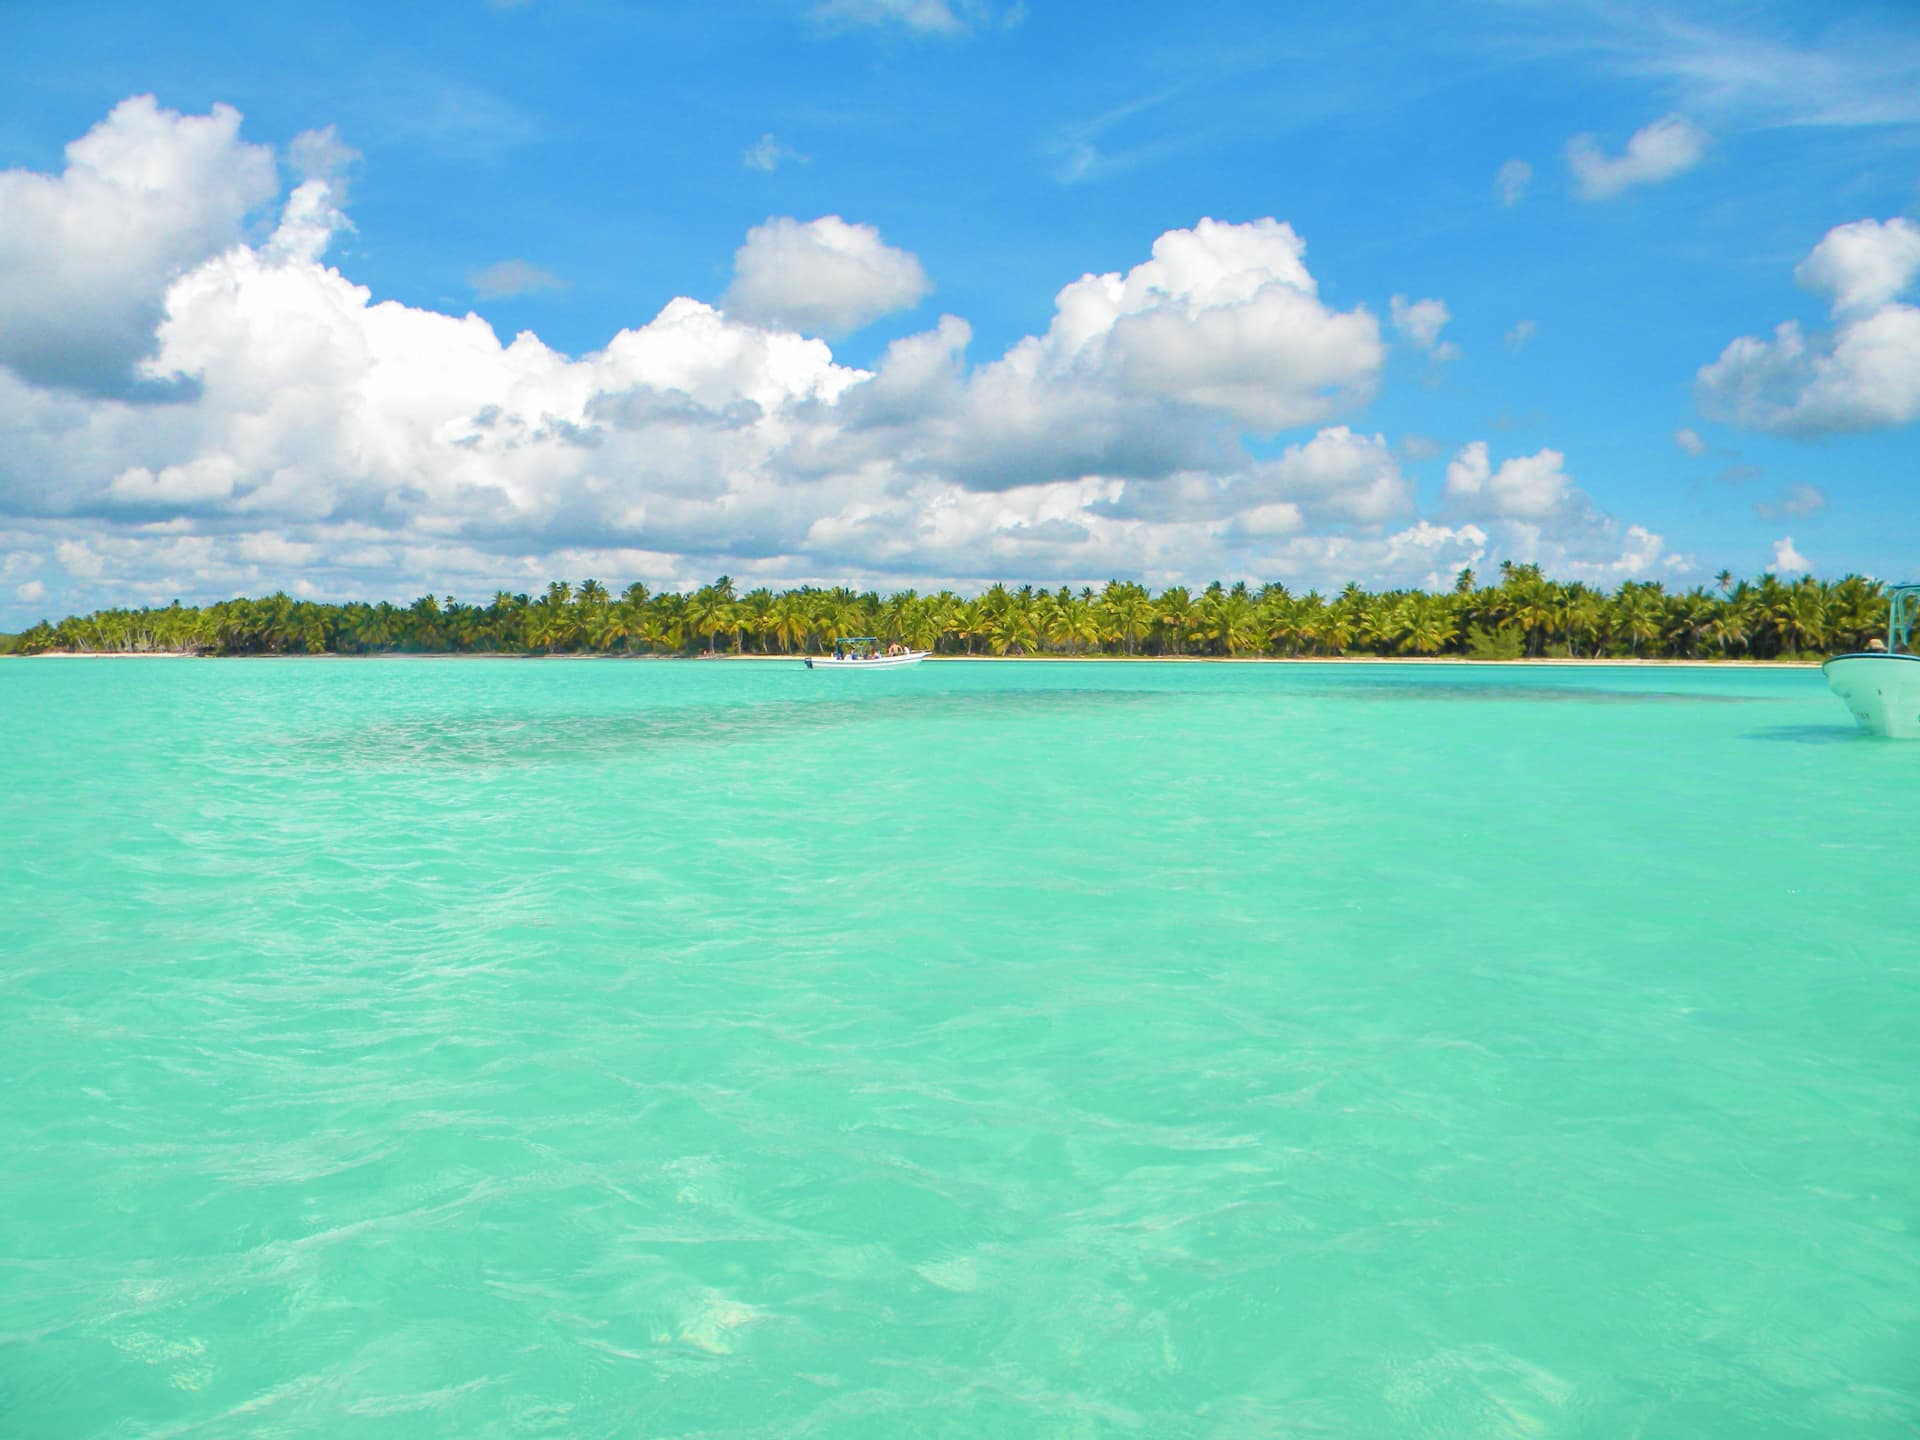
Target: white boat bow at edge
pixel 1882 686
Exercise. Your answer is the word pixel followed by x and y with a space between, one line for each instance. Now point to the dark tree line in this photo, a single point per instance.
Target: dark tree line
pixel 1525 614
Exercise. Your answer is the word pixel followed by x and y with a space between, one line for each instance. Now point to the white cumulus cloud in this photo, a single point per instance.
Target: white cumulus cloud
pixel 1688 439
pixel 316 437
pixel 1865 375
pixel 1223 317
pixel 1786 559
pixel 1140 374
pixel 1668 147
pixel 1340 476
pixel 86 256
pixel 1527 487
pixel 1420 321
pixel 322 155
pixel 1864 265
pixel 824 276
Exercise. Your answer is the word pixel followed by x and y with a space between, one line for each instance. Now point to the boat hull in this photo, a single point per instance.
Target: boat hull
pixel 1882 691
pixel 878 662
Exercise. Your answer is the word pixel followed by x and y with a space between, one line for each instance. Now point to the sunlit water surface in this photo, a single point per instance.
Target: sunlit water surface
pixel 572 1048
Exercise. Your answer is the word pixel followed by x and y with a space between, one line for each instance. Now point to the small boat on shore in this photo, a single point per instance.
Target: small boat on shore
pixel 1881 684
pixel 864 652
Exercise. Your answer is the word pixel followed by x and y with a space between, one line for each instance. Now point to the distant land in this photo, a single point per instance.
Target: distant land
pixel 1525 615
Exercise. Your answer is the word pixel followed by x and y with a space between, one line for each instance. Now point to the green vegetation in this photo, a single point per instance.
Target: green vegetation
pixel 1525 615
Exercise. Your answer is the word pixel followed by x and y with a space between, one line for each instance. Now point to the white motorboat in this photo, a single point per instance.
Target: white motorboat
pixel 1882 686
pixel 863 652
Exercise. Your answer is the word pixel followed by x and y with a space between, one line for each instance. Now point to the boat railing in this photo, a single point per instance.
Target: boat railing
pixel 1903 612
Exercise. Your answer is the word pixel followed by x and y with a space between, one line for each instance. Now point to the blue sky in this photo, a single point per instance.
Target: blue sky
pixel 1614 207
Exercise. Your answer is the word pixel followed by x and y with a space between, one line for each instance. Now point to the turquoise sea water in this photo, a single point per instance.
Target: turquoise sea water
pixel 573 1048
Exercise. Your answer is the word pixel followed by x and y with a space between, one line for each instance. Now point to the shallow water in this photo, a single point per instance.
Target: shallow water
pixel 510 1048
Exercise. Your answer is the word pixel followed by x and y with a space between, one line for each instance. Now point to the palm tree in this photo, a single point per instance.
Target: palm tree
pixel 1532 606
pixel 1430 623
pixel 1637 613
pixel 1767 601
pixel 710 611
pixel 466 625
pixel 606 627
pixel 1688 618
pixel 1283 617
pixel 424 629
pixel 372 628
pixel 1014 630
pixel 1175 616
pixel 1580 615
pixel 970 620
pixel 1803 619
pixel 1052 620
pixel 281 629
pixel 790 619
pixel 1129 612
pixel 1856 611
pixel 548 627
pixel 1380 624
pixel 755 616
pixel 1084 624
pixel 589 604
pixel 920 627
pixel 663 625
pixel 506 626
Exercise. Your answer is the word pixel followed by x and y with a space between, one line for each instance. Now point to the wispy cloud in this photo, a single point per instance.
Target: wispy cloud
pixel 1083 151
pixel 513 277
pixel 937 19
pixel 1419 323
pixel 1657 153
pixel 402 102
pixel 1511 180
pixel 767 155
pixel 1739 74
pixel 1796 500
pixel 1194 97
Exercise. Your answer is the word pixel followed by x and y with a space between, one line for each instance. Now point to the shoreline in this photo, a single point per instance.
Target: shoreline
pixel 1549 661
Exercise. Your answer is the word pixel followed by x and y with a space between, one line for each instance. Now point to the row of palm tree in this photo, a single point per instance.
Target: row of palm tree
pixel 1524 614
